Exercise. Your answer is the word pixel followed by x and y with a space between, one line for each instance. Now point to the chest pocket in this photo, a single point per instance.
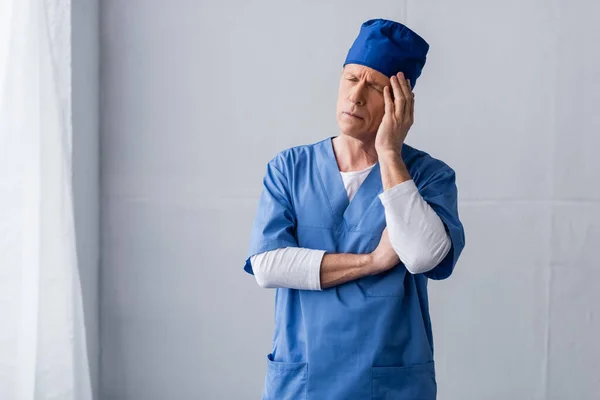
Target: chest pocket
pixel 387 284
pixel 391 283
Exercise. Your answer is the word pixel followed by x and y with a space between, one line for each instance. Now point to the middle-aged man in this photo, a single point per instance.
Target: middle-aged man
pixel 349 230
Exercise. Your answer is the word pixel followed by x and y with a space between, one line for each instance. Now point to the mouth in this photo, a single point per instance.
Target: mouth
pixel 349 114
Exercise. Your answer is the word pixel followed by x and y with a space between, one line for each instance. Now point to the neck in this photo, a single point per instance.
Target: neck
pixel 354 154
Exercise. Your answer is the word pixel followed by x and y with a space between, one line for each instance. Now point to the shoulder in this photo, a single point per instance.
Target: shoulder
pixel 422 161
pixel 291 157
pixel 425 168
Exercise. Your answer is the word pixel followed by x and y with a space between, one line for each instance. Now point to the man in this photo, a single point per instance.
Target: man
pixel 349 230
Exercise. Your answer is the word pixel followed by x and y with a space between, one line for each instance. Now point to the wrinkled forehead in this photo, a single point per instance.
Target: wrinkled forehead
pixel 361 71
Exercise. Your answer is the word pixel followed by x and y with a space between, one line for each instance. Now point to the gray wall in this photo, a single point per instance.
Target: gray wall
pixel 86 181
pixel 198 96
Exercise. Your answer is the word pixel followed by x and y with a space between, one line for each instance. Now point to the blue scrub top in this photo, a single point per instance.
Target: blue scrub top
pixel 365 339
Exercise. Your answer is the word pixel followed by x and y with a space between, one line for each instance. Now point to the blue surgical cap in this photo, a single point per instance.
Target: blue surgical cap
pixel 389 47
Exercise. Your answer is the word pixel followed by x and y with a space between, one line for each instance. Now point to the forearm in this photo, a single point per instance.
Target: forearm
pixel 393 169
pixel 307 269
pixel 341 268
pixel 416 232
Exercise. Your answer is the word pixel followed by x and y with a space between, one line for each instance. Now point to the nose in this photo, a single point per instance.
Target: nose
pixel 357 95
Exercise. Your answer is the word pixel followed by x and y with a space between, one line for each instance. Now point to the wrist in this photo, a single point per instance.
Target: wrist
pixel 370 264
pixel 390 155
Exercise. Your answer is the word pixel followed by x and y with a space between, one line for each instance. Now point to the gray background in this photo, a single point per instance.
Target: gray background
pixel 86 177
pixel 196 97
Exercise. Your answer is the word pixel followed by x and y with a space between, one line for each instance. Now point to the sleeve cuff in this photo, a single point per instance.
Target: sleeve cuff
pixel 402 189
pixel 315 269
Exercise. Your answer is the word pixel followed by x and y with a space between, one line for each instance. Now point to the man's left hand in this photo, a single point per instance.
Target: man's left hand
pixel 398 117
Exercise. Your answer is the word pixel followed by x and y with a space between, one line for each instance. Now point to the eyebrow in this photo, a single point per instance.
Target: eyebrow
pixel 369 81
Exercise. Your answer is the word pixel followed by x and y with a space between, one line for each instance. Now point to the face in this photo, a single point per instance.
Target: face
pixel 360 105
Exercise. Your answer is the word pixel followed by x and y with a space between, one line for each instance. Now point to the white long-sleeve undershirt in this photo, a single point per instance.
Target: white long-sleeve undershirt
pixel 416 233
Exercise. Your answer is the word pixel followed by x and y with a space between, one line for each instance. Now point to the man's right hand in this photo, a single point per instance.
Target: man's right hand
pixel 384 257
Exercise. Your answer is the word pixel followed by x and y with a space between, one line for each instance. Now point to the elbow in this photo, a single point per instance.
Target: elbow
pixel 419 262
pixel 424 258
pixel 419 265
pixel 261 272
pixel 262 280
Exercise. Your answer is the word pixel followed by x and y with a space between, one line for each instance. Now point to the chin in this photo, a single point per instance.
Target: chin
pixel 350 129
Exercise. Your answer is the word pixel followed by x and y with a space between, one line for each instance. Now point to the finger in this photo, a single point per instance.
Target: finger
pixel 412 110
pixel 399 100
pixel 387 98
pixel 412 103
pixel 406 91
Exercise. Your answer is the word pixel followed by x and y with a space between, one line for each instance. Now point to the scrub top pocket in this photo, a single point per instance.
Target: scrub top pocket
pixel 413 382
pixel 386 284
pixel 285 380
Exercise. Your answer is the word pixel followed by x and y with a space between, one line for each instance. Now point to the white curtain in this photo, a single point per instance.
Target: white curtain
pixel 42 336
